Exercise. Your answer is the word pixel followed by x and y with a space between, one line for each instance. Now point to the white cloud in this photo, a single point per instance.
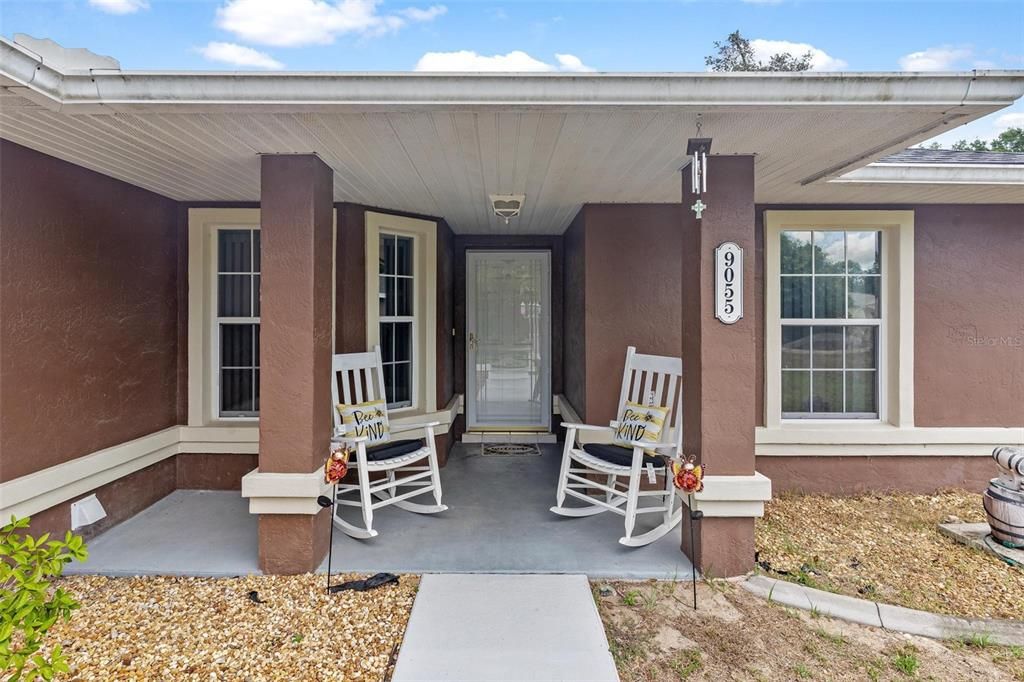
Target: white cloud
pixel 820 60
pixel 239 55
pixel 119 6
pixel 941 58
pixel 1005 121
pixel 313 22
pixel 570 62
pixel 517 60
pixel 428 14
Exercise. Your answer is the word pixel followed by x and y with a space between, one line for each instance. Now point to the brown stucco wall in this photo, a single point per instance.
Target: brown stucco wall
pixel 121 499
pixel 969 315
pixel 574 328
pixel 629 295
pixel 852 475
pixel 445 314
pixel 968 312
pixel 197 471
pixel 89 298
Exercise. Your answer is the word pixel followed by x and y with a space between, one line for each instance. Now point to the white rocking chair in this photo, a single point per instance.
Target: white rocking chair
pixel 648 379
pixel 357 375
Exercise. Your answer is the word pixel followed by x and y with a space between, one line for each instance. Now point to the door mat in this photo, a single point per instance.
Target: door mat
pixel 509 450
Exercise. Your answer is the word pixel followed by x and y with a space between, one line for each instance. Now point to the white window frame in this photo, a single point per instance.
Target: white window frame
pixel 424 318
pixel 219 321
pixel 895 378
pixel 203 325
pixel 416 277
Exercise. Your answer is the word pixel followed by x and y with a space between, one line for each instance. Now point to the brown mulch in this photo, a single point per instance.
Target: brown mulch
pixel 656 636
pixel 164 628
pixel 888 548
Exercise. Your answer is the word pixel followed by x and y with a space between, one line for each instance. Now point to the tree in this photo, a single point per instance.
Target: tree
pixel 736 54
pixel 1010 140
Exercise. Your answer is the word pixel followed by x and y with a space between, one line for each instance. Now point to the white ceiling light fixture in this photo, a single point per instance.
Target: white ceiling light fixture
pixel 507 206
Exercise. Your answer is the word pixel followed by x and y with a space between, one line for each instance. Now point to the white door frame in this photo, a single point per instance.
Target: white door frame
pixel 472 422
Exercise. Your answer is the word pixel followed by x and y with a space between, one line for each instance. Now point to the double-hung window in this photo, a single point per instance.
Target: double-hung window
pixel 397 319
pixel 839 319
pixel 831 317
pixel 237 322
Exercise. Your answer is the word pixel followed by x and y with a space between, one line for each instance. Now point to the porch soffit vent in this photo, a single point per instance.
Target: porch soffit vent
pixel 507 206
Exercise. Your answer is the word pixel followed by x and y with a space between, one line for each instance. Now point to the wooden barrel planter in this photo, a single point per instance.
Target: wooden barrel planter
pixel 1004 498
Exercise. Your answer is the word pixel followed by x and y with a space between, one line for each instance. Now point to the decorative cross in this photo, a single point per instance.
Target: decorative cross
pixel 698 208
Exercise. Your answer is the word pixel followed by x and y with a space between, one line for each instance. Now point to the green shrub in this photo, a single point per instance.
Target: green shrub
pixel 28 607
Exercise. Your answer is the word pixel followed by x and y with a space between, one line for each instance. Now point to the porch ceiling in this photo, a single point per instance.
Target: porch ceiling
pixel 440 144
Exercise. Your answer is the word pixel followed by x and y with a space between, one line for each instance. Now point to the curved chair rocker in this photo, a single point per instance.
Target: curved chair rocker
pixel 647 379
pixel 358 378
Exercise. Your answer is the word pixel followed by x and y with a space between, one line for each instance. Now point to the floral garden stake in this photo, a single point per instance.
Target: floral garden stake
pixel 689 478
pixel 335 469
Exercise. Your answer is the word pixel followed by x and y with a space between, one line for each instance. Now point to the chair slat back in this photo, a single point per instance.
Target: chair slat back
pixel 357 378
pixel 656 380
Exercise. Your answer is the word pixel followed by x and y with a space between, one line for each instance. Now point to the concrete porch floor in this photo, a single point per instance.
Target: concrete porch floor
pixel 497 522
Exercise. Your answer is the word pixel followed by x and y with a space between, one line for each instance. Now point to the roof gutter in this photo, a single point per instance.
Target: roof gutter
pixel 138 91
pixel 936 174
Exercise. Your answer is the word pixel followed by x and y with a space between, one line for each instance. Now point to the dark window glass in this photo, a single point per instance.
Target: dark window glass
pixel 796 391
pixel 796 297
pixel 234 251
pixel 827 347
pixel 829 253
pixel 796 347
pixel 795 249
pixel 827 391
pixel 234 295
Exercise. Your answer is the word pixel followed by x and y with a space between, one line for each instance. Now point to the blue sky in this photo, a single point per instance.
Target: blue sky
pixel 363 35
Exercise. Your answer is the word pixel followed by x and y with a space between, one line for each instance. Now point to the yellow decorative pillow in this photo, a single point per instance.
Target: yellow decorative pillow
pixel 368 419
pixel 640 423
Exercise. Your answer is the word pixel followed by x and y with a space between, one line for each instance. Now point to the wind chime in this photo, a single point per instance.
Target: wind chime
pixel 688 476
pixel 698 148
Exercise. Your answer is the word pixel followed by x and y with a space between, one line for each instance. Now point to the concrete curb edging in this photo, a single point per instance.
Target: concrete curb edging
pixel 887 616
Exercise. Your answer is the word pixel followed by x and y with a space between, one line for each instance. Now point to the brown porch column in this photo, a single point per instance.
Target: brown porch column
pixel 296 205
pixel 719 363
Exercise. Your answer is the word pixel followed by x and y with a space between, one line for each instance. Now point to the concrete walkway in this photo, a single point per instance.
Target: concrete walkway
pixel 486 628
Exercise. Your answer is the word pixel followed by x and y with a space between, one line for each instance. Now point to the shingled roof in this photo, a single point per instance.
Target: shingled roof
pixel 950 156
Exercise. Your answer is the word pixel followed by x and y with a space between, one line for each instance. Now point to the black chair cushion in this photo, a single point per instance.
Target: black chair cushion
pixel 392 449
pixel 616 454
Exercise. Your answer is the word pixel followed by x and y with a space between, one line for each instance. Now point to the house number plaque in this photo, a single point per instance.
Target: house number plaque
pixel 728 283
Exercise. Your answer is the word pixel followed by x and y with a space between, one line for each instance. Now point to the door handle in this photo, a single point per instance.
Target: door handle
pixel 472 341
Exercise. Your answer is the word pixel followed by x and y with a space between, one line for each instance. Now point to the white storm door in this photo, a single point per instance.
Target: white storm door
pixel 508 340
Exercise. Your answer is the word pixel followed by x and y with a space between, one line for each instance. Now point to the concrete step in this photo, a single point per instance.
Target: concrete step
pixel 535 437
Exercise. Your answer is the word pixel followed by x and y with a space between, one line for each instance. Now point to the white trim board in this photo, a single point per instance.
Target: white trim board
pixel 883 440
pixel 32 493
pixel 732 496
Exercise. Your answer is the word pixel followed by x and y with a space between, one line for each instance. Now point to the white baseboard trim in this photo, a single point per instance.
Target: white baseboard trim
pixel 32 493
pixel 878 440
pixel 732 496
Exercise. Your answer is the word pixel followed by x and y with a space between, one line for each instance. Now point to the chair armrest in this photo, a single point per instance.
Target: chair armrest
pixel 585 427
pixel 413 427
pixel 646 445
pixel 339 437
